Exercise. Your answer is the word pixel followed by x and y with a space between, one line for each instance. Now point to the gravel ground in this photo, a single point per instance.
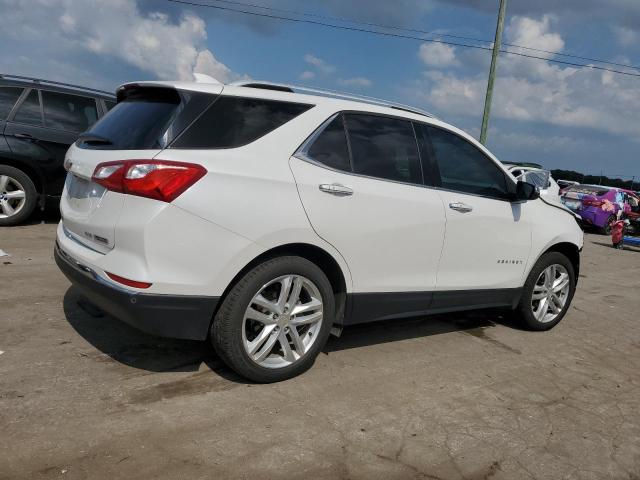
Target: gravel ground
pixel 464 396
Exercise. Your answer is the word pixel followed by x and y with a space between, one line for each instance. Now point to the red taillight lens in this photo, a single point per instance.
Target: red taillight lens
pixel 127 282
pixel 157 179
pixel 592 203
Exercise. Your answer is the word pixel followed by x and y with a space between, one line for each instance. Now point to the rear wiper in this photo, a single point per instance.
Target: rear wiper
pixel 93 138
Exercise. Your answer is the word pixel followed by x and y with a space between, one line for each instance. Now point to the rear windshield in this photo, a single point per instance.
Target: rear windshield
pixel 145 118
pixel 588 190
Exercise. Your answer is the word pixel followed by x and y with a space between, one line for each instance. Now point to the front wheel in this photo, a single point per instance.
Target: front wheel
pixel 275 320
pixel 548 292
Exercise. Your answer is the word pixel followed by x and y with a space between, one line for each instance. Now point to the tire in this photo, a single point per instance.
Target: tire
pixel 526 311
pixel 606 228
pixel 234 331
pixel 14 210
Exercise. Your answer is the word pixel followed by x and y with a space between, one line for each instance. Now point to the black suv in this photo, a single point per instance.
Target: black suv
pixel 39 120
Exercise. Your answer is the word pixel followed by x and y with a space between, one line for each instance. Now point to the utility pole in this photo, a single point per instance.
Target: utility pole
pixel 497 44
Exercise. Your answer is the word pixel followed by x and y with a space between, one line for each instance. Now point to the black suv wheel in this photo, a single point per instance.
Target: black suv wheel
pixel 18 196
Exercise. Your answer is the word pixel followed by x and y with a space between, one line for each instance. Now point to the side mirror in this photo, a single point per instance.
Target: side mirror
pixel 526 191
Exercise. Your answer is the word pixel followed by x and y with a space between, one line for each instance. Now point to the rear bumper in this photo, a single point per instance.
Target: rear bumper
pixel 175 316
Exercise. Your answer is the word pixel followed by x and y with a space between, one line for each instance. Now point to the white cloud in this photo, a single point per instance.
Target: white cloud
pixel 355 82
pixel 438 55
pixel 538 91
pixel 307 75
pixel 534 33
pixel 65 30
pixel 320 65
pixel 626 36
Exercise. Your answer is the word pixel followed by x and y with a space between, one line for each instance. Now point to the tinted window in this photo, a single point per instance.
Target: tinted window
pixel 68 112
pixel 138 121
pixel 464 168
pixel 8 98
pixel 384 147
pixel 109 104
pixel 233 122
pixel 330 147
pixel 29 110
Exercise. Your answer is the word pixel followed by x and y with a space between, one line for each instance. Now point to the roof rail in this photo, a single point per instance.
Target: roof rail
pixel 51 82
pixel 282 87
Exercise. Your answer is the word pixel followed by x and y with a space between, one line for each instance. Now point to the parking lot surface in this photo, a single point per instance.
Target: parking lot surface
pixel 463 396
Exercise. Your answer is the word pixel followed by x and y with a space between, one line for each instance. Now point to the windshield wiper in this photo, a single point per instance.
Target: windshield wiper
pixel 95 139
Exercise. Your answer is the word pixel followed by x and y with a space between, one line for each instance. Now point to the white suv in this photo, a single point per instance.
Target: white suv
pixel 265 219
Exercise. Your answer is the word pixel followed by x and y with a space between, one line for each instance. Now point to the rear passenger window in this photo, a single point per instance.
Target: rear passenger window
pixel 68 112
pixel 29 110
pixel 330 147
pixel 233 122
pixel 8 98
pixel 464 168
pixel 109 104
pixel 384 147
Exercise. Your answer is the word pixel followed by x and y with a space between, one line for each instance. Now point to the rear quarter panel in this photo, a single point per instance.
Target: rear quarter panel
pixel 251 191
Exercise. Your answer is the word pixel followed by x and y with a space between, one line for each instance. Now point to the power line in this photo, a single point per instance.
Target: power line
pixel 398 35
pixel 424 32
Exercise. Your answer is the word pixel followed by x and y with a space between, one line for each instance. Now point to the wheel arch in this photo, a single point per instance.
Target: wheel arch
pixel 317 255
pixel 571 251
pixel 33 173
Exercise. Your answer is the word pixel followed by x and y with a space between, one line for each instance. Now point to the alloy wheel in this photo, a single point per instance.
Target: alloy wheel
pixel 282 321
pixel 12 196
pixel 550 293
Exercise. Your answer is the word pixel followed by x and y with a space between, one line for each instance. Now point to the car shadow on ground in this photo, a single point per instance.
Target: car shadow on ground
pixel 134 348
pixel 50 215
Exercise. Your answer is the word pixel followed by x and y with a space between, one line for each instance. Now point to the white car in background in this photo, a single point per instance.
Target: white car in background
pixel 539 177
pixel 263 219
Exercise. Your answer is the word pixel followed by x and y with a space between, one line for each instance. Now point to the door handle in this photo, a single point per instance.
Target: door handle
pixel 23 135
pixel 335 189
pixel 460 207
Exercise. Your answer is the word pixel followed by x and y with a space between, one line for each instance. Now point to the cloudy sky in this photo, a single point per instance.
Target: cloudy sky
pixel 559 115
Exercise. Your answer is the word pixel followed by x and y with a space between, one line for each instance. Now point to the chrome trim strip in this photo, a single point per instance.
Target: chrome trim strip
pixel 90 272
pixel 72 236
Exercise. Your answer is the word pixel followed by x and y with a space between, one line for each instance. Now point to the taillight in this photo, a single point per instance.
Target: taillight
pixel 127 282
pixel 592 203
pixel 157 179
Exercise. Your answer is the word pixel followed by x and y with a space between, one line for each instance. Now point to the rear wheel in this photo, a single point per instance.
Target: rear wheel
pixel 548 292
pixel 18 196
pixel 275 320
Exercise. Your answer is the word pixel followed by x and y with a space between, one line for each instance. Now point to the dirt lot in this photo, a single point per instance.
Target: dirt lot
pixel 458 396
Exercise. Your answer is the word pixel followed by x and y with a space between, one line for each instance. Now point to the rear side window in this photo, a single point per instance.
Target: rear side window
pixel 109 104
pixel 234 121
pixel 330 147
pixel 8 98
pixel 464 168
pixel 68 112
pixel 29 110
pixel 384 147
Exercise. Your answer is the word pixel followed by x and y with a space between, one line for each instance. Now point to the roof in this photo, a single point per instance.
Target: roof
pixel 332 100
pixel 53 85
pixel 286 92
